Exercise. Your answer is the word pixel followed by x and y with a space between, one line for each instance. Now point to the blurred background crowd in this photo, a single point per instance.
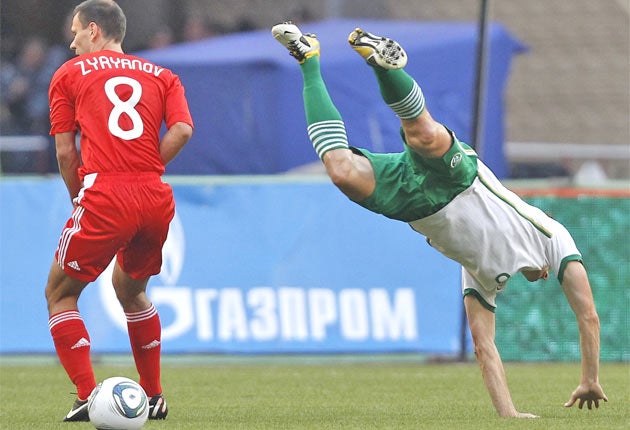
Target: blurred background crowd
pixel 571 87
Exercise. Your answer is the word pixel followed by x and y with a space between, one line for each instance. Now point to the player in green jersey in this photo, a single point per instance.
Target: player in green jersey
pixel 440 187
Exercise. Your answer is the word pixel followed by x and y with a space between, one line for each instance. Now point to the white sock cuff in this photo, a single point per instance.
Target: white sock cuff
pixel 327 135
pixel 62 317
pixel 411 106
pixel 142 315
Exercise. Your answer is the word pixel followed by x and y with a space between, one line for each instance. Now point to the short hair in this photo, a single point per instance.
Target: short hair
pixel 107 14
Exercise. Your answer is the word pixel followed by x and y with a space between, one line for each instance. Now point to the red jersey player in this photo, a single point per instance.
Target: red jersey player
pixel 121 206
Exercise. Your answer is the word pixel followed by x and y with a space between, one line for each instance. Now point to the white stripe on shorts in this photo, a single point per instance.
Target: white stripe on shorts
pixel 67 233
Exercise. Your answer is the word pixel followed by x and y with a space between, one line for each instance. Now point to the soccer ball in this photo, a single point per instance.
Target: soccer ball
pixel 118 403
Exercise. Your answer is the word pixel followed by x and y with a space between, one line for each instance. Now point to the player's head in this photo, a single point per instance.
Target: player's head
pixel 95 20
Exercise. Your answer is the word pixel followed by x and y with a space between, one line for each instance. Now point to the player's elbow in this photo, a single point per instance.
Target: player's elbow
pixel 483 343
pixel 183 131
pixel 67 156
pixel 483 348
pixel 589 319
pixel 63 155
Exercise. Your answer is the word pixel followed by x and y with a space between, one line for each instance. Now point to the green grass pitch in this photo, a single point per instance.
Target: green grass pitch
pixel 331 392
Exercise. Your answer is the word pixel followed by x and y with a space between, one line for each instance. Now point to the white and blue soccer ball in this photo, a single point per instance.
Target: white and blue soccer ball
pixel 118 403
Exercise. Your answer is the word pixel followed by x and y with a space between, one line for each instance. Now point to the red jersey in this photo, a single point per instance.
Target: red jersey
pixel 117 102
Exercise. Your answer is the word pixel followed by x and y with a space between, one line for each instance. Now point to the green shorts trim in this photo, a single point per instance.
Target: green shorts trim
pixel 475 293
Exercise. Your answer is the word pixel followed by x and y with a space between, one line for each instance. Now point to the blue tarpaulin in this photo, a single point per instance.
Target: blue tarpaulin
pixel 244 92
pixel 248 267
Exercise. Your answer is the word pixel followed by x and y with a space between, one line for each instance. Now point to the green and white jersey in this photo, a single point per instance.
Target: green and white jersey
pixel 469 216
pixel 410 187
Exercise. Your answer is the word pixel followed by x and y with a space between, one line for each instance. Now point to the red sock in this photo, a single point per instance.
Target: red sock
pixel 72 343
pixel 145 335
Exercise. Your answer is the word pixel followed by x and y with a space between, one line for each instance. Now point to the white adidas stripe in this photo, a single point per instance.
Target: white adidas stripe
pixel 67 234
pixel 142 315
pixel 64 316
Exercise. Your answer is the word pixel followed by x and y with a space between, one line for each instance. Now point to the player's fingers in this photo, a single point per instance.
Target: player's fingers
pixel 581 403
pixel 596 403
pixel 589 403
pixel 570 402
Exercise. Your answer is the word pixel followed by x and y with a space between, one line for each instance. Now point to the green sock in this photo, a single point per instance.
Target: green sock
pixel 400 91
pixel 325 126
pixel 317 102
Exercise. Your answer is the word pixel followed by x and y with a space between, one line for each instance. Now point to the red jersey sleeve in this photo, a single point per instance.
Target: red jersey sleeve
pixel 61 103
pixel 176 104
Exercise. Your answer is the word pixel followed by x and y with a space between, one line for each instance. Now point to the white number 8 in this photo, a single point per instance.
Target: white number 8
pixel 126 106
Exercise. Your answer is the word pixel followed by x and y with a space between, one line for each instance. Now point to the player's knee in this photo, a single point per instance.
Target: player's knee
pixel 420 133
pixel 132 298
pixel 340 170
pixel 426 137
pixel 59 298
pixel 49 295
pixel 61 289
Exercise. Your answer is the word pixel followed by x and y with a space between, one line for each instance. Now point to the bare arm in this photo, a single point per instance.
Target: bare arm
pixel 174 140
pixel 578 293
pixel 482 328
pixel 69 161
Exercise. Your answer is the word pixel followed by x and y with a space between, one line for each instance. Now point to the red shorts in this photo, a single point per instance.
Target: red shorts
pixel 122 215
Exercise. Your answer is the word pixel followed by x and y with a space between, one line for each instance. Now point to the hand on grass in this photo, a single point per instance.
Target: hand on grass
pixel 516 414
pixel 591 394
pixel 525 415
